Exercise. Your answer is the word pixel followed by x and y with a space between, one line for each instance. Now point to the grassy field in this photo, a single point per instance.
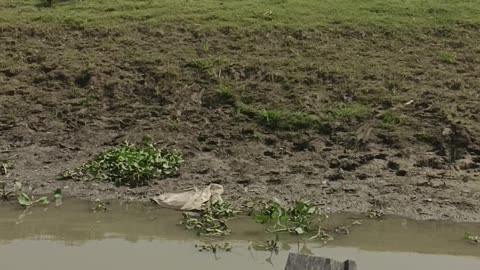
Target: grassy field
pixel 399 15
pixel 277 96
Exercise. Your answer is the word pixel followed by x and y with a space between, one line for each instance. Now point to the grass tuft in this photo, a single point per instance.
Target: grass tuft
pixel 447 58
pixel 287 120
pixel 345 111
pixel 391 119
pixel 225 94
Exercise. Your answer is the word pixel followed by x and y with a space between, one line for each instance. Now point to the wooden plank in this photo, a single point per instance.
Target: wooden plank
pixel 305 262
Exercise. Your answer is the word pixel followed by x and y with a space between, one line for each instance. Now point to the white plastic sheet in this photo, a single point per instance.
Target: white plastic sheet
pixel 190 200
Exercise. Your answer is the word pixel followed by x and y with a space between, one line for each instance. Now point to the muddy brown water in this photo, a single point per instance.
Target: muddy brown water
pixel 134 236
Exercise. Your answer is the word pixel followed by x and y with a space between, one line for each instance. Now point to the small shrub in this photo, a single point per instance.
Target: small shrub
pixel 130 165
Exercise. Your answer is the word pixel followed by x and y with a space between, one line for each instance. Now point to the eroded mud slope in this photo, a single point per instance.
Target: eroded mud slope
pixel 352 120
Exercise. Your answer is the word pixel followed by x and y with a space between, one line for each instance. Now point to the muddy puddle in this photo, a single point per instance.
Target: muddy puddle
pixel 134 236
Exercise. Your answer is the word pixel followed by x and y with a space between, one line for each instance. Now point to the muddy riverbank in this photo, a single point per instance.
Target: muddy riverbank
pixel 351 119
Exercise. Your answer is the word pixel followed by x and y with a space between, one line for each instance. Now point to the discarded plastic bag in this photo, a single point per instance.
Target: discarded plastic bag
pixel 190 200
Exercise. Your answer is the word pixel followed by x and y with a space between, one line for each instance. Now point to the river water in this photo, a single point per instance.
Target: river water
pixel 132 236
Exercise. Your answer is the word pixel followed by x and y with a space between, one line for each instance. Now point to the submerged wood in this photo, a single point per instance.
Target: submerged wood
pixel 305 262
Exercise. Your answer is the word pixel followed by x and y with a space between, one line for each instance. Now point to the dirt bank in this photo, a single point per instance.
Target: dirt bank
pixel 351 120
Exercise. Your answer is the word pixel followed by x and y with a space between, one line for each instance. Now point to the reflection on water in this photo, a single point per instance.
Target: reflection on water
pixel 71 237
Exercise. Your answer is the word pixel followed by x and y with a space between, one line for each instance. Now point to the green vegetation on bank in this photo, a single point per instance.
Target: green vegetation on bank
pixel 388 14
pixel 129 165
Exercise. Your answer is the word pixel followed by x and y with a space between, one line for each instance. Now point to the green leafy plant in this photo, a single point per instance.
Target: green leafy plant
pixel 210 221
pixel 473 239
pixel 205 225
pixel 28 200
pixel 221 210
pixel 58 197
pixel 129 165
pixel 100 206
pixel 300 218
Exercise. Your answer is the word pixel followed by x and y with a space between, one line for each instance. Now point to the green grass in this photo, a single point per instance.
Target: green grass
pixel 225 93
pixel 211 66
pixel 345 111
pixel 390 119
pixel 407 15
pixel 447 58
pixel 208 63
pixel 291 120
pixel 284 119
pixel 425 136
pixel 275 119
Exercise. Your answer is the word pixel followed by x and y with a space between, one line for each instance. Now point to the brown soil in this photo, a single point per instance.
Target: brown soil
pixel 68 93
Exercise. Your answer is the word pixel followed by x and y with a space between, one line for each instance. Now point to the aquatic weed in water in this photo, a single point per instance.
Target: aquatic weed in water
pixel 301 218
pixel 210 221
pixel 473 239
